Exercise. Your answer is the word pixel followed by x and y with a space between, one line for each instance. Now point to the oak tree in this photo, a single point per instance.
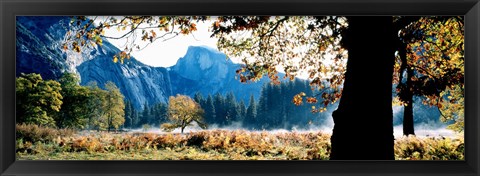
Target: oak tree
pixel 430 65
pixel 114 106
pixel 182 112
pixel 37 100
pixel 74 111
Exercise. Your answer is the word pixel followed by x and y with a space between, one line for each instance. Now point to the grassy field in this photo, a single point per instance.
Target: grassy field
pixel 35 143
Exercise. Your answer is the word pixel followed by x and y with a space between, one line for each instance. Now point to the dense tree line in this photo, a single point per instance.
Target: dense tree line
pixel 66 104
pixel 273 110
pixel 276 110
pixel 152 115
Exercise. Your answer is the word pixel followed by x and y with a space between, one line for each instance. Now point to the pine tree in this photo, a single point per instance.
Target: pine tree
pixel 136 121
pixel 198 98
pixel 275 102
pixel 262 111
pixel 210 114
pixel 153 115
pixel 145 115
pixel 243 111
pixel 128 115
pixel 221 113
pixel 285 104
pixel 232 109
pixel 159 113
pixel 251 115
pixel 162 113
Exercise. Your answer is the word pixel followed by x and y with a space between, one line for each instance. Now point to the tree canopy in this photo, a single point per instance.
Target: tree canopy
pixel 86 33
pixel 66 104
pixel 37 100
pixel 74 111
pixel 182 112
pixel 431 55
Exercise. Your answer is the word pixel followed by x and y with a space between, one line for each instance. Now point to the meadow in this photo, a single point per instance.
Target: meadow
pixel 40 143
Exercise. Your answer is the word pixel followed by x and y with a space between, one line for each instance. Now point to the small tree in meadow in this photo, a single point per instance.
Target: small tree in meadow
pixel 182 111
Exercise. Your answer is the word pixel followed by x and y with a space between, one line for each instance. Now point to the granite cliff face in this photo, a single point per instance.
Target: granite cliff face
pixel 39 41
pixel 37 49
pixel 139 83
pixel 202 69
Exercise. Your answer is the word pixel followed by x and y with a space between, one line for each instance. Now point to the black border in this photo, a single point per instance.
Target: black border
pixel 10 8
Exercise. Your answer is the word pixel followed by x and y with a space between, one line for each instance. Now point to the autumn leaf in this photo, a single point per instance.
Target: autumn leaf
pixel 311 100
pixel 193 27
pixel 154 35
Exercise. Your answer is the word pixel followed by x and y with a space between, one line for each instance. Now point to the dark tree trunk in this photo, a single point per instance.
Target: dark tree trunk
pixel 364 121
pixel 183 126
pixel 109 122
pixel 408 128
pixel 407 95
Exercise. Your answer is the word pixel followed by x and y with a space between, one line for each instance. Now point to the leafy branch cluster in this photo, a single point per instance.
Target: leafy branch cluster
pixel 146 29
pixel 433 63
pixel 297 44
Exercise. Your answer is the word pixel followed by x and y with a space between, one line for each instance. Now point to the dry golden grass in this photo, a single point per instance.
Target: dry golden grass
pixel 214 145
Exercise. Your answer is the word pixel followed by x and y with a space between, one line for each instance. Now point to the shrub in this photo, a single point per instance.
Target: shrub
pixel 216 144
pixel 34 133
pixel 417 148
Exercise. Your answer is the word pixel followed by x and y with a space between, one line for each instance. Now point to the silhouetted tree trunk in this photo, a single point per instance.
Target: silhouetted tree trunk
pixel 406 93
pixel 408 128
pixel 364 120
pixel 183 126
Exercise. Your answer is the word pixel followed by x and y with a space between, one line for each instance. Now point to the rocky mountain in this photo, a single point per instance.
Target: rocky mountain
pixel 38 51
pixel 139 83
pixel 37 46
pixel 202 69
pixel 208 71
